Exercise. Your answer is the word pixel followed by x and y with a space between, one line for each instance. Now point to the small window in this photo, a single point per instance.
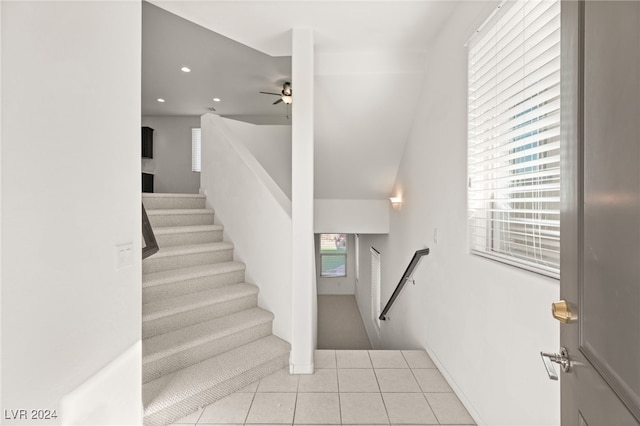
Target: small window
pixel 357 246
pixel 333 255
pixel 196 149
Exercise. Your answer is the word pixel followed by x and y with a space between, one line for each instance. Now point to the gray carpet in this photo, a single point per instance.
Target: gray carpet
pixel 340 325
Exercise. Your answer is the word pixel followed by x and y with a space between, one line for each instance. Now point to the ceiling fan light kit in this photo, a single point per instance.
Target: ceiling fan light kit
pixel 286 95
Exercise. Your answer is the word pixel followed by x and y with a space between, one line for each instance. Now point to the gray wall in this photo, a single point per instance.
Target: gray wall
pixel 171 163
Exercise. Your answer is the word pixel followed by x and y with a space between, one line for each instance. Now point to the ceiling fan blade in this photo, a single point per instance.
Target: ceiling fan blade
pixel 277 102
pixel 269 93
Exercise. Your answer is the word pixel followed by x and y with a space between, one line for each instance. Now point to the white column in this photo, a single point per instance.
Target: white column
pixel 304 313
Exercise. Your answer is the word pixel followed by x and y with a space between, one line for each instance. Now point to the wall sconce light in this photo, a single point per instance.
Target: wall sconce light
pixel 396 202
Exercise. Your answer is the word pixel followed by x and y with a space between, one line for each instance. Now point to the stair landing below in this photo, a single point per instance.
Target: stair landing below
pixel 348 387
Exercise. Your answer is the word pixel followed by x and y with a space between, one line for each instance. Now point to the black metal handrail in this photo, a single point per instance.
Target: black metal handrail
pixel 405 277
pixel 148 237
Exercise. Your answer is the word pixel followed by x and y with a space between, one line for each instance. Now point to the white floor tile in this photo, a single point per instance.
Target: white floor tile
pixel 430 380
pixel 325 358
pixel 250 389
pixel 317 408
pixel 357 380
pixel 272 408
pixel 408 408
pixel 191 419
pixel 448 409
pixel 418 359
pixel 323 380
pixel 388 359
pixel 363 408
pixel 397 380
pixel 353 359
pixel 280 381
pixel 231 409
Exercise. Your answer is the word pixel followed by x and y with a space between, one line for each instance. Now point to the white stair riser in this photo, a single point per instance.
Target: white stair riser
pixel 210 395
pixel 175 362
pixel 188 238
pixel 195 316
pixel 179 288
pixel 151 202
pixel 156 264
pixel 187 219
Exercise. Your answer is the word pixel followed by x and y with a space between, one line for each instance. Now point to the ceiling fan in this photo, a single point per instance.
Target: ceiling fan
pixel 286 95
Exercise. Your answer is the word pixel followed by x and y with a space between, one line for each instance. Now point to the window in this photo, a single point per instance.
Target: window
pixel 514 136
pixel 375 286
pixel 357 255
pixel 196 149
pixel 333 255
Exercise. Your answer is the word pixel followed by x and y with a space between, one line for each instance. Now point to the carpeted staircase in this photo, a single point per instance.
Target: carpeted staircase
pixel 204 336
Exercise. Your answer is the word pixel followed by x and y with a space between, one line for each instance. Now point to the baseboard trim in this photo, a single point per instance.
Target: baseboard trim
pixel 301 369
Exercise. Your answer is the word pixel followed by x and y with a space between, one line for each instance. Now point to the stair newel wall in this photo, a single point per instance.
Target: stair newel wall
pixel 256 215
pixel 302 187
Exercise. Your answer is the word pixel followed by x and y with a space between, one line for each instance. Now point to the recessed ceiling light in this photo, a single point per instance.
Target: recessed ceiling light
pixel 160 100
pixel 185 69
pixel 216 99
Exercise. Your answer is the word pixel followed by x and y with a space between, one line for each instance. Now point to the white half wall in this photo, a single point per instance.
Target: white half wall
pixel 351 216
pixel 171 162
pixel 270 145
pixel 255 214
pixel 484 323
pixel 70 203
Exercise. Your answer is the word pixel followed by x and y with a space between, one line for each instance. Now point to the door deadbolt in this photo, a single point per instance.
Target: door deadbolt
pixel 560 311
pixel 562 359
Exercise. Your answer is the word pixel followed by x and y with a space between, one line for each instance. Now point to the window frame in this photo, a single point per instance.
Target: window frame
pixel 344 255
pixel 512 213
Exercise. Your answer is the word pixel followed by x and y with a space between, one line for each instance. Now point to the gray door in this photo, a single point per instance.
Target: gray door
pixel 600 261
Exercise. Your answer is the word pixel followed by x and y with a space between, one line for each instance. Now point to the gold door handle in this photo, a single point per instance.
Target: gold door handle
pixel 560 311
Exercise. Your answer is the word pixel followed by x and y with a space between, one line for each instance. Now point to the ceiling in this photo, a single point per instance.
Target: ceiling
pixel 370 63
pixel 220 68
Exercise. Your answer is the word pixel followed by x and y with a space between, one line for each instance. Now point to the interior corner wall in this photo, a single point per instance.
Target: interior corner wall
pixel 337 285
pixel 270 145
pixel 70 198
pixel 484 323
pixel 171 162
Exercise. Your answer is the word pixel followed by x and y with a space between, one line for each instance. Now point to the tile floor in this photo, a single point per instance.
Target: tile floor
pixel 349 387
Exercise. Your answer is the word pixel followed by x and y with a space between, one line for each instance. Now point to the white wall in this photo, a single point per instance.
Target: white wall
pixel 270 145
pixel 351 216
pixel 337 285
pixel 70 195
pixel 255 214
pixel 304 294
pixel 171 162
pixel 483 322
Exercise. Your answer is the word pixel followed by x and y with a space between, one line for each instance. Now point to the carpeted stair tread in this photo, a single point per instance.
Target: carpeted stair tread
pixel 191 249
pixel 161 230
pixel 174 275
pixel 200 380
pixel 191 301
pixel 170 195
pixel 173 201
pixel 154 348
pixel 166 212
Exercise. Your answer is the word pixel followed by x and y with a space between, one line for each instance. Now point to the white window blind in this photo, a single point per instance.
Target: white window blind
pixel 514 136
pixel 196 149
pixel 375 286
